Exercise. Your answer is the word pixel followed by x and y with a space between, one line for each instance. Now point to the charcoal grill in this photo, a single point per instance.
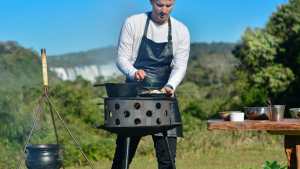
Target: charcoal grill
pixel 138 116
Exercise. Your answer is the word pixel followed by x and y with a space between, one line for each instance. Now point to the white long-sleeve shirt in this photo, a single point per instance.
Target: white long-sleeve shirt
pixel 130 39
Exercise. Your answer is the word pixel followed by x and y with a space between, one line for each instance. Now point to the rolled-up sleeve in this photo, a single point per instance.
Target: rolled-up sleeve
pixel 125 50
pixel 180 60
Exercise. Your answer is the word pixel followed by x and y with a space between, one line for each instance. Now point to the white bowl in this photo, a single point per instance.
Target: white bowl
pixel 237 116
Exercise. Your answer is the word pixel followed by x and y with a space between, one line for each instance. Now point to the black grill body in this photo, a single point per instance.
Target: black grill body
pixel 136 116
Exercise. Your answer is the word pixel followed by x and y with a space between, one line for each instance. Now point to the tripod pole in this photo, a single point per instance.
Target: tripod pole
pixel 53 121
pixel 45 68
pixel 75 140
pixel 45 84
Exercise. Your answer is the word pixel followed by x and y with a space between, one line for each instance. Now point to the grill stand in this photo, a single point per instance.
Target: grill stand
pixel 127 142
pixel 127 145
pixel 126 156
pixel 165 135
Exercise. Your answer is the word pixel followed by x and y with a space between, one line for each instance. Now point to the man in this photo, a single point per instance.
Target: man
pixel 153 49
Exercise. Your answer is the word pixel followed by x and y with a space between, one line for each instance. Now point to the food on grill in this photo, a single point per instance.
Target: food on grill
pixel 152 92
pixel 155 92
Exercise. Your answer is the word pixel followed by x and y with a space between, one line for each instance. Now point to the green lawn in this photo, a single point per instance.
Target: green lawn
pixel 204 150
pixel 215 159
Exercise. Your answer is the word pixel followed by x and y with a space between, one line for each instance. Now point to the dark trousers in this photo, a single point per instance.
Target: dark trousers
pixel 160 146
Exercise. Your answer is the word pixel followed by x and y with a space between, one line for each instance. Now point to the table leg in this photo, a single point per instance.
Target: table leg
pixel 298 155
pixel 288 153
pixel 292 150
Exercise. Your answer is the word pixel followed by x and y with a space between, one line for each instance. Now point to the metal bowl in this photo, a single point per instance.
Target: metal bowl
pixel 295 112
pixel 257 113
pixel 277 112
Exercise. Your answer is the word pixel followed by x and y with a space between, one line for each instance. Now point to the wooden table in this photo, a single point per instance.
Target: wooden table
pixel 290 128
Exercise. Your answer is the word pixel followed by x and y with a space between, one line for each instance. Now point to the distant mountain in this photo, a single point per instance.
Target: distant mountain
pixel 200 49
pixel 20 66
pixel 108 55
pixel 101 61
pixel 98 56
pixel 212 63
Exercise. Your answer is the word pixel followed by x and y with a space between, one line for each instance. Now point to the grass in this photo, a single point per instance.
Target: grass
pixel 215 159
pixel 202 149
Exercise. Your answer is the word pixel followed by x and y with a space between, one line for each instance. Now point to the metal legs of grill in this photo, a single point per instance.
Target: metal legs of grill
pixel 125 160
pixel 165 135
pixel 126 156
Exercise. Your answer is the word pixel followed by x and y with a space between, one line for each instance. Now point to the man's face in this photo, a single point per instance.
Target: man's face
pixel 161 10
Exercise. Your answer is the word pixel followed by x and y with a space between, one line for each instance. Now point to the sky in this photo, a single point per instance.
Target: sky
pixel 63 26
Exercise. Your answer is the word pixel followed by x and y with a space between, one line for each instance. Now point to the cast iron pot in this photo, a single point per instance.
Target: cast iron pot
pixel 120 89
pixel 43 156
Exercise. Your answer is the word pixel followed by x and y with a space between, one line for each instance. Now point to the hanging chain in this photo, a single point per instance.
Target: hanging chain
pixel 37 111
pixel 52 114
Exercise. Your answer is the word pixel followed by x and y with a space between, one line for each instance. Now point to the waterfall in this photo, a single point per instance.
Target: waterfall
pixel 87 72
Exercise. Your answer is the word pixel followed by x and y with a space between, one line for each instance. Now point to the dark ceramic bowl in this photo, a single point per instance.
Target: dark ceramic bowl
pixel 257 113
pixel 225 115
pixel 295 112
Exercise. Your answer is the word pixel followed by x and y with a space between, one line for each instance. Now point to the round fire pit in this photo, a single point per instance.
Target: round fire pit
pixel 139 115
pixel 43 156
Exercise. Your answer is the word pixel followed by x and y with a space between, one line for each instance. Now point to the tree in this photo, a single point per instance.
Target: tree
pixel 285 25
pixel 270 56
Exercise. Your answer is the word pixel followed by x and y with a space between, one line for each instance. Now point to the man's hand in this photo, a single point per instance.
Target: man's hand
pixel 168 90
pixel 139 75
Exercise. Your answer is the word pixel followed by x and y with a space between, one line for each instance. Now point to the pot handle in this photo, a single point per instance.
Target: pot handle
pixel 100 84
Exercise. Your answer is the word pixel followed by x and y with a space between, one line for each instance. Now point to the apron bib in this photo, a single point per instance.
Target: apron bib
pixel 155 59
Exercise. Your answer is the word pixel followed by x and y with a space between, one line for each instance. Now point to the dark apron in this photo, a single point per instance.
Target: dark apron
pixel 155 59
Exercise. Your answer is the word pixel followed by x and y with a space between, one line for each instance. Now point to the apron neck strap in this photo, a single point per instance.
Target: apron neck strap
pixel 169 30
pixel 169 27
pixel 147 24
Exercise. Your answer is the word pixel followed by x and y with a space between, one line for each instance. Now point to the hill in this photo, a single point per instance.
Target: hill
pixel 102 56
pixel 18 66
pixel 199 49
pixel 98 56
pixel 215 59
pixel 21 67
pixel 211 63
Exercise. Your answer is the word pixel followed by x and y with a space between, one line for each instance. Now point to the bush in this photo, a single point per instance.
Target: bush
pixel 273 165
